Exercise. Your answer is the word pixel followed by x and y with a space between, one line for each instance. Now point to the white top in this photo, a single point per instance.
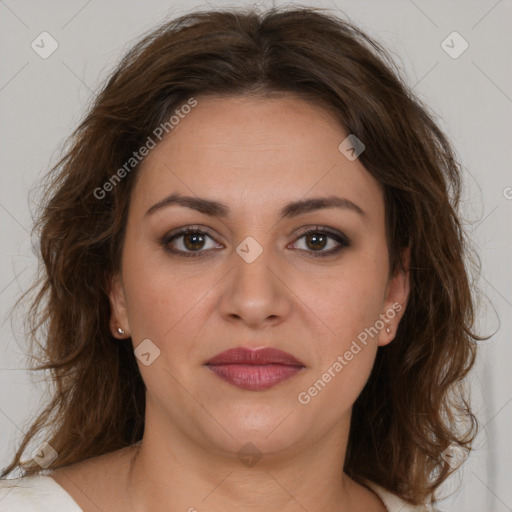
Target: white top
pixel 41 493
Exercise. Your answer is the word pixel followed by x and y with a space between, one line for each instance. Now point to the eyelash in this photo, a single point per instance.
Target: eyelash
pixel 342 239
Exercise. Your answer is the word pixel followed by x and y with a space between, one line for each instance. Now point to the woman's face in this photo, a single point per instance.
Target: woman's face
pixel 253 279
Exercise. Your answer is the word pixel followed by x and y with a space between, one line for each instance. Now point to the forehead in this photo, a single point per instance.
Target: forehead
pixel 255 151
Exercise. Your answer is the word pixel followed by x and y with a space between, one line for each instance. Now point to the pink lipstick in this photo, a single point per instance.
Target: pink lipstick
pixel 254 370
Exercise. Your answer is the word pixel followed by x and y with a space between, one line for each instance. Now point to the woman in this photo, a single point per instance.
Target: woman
pixel 254 290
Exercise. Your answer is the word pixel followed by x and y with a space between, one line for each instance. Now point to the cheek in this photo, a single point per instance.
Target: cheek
pixel 349 303
pixel 150 294
pixel 345 352
pixel 165 302
pixel 332 391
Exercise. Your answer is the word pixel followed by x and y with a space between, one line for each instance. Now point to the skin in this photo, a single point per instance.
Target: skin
pixel 254 155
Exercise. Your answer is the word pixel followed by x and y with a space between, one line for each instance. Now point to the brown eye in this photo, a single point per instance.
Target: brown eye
pixel 318 239
pixel 187 242
pixel 193 241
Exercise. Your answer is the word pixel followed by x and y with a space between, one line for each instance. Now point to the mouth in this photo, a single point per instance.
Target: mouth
pixel 254 370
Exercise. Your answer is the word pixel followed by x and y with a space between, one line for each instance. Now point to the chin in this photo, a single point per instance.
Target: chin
pixel 266 431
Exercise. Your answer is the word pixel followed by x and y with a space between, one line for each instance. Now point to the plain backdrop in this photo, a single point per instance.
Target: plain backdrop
pixel 42 101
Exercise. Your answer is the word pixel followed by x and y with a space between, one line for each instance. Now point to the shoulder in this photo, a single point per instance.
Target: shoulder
pixel 394 503
pixel 35 493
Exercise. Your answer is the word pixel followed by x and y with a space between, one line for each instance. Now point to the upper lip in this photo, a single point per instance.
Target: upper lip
pixel 242 355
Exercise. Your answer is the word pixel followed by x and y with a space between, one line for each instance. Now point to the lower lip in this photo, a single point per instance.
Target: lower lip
pixel 254 377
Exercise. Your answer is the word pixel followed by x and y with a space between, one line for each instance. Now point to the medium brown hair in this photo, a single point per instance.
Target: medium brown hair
pixel 411 408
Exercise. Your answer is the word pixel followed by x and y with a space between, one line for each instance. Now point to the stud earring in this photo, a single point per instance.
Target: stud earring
pixel 388 330
pixel 120 331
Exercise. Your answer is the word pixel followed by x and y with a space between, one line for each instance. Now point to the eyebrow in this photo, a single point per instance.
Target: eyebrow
pixel 292 209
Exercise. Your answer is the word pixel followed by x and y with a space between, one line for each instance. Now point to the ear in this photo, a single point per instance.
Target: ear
pixel 118 310
pixel 395 302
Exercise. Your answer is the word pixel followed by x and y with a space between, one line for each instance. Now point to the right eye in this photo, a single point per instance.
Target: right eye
pixel 190 242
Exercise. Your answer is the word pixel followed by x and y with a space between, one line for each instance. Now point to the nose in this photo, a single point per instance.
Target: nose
pixel 255 292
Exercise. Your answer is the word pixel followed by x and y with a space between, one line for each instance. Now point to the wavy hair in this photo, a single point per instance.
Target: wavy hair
pixel 413 404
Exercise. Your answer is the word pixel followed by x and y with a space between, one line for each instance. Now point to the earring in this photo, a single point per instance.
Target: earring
pixel 388 330
pixel 120 331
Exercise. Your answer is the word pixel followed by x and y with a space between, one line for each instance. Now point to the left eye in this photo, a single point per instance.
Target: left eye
pixel 190 242
pixel 317 239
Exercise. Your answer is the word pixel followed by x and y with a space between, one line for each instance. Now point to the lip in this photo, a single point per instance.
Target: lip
pixel 261 356
pixel 254 370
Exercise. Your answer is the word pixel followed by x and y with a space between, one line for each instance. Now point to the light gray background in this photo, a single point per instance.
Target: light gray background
pixel 42 100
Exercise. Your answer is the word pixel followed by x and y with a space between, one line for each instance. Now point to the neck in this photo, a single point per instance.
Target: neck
pixel 184 475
